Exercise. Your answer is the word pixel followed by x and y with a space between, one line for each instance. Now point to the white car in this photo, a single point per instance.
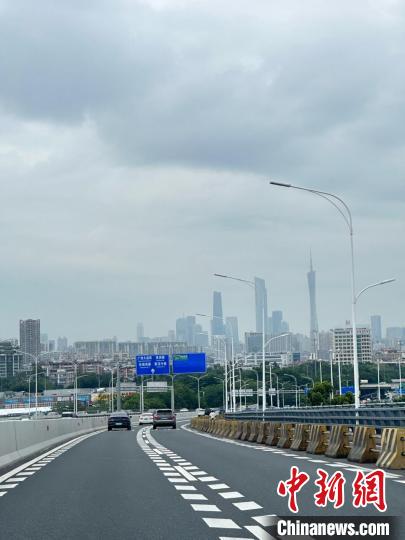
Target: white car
pixel 200 412
pixel 145 418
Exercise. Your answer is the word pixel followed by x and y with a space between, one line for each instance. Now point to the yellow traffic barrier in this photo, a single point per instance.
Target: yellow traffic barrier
pixel 254 431
pixel 234 427
pixel 246 431
pixel 217 425
pixel 338 446
pixel 392 455
pixel 239 430
pixel 364 448
pixel 222 427
pixel 273 434
pixel 300 438
pixel 318 439
pixel 286 435
pixel 227 428
pixel 263 432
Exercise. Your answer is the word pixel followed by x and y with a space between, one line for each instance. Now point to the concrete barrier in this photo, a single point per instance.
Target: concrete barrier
pixel 364 448
pixel 300 438
pixel 274 434
pixel 286 435
pixel 246 431
pixel 254 431
pixel 239 430
pixel 233 430
pixel 338 445
pixel 263 432
pixel 318 439
pixel 21 439
pixel 392 455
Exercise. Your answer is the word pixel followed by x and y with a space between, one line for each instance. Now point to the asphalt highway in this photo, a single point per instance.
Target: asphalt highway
pixel 167 484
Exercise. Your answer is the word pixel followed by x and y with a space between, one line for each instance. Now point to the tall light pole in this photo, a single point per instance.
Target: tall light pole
pixel 345 212
pixel 264 359
pixel 35 358
pixel 225 358
pixel 252 285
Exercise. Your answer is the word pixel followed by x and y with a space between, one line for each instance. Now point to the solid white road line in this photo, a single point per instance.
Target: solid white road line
pixel 247 505
pixel 221 523
pixel 205 508
pixel 231 495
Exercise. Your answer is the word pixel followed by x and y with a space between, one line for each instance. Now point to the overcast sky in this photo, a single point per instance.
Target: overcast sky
pixel 137 139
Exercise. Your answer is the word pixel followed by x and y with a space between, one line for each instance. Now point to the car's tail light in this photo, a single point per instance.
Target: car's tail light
pixel 156 417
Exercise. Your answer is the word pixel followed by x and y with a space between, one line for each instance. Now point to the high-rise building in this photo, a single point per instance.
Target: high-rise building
pixel 313 325
pixel 187 330
pixel 343 344
pixel 261 305
pixel 171 335
pixel 62 344
pixel 140 334
pixel 376 332
pixel 30 332
pixel 253 342
pixel 232 331
pixel 11 360
pixel 217 323
pixel 277 322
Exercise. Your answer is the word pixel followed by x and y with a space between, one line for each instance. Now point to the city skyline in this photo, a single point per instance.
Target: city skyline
pixel 127 189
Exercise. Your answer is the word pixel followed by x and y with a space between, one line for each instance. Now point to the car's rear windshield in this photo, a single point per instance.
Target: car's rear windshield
pixel 164 411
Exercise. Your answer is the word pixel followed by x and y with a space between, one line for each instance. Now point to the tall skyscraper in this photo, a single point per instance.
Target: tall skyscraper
pixel 313 327
pixel 277 322
pixel 217 323
pixel 261 304
pixel 376 332
pixel 232 330
pixel 30 340
pixel 140 334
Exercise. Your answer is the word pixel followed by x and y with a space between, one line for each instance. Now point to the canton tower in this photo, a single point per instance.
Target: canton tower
pixel 313 329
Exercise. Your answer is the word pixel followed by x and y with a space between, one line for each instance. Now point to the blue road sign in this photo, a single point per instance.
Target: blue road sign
pixel 346 389
pixel 189 363
pixel 152 364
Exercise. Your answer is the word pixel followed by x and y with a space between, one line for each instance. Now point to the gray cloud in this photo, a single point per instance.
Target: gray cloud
pixel 136 143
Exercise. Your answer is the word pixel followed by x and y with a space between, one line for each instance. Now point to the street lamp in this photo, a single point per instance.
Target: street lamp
pixel 257 384
pixel 345 213
pixel 264 359
pixel 35 358
pixel 198 386
pixel 225 358
pixel 29 389
pixel 252 285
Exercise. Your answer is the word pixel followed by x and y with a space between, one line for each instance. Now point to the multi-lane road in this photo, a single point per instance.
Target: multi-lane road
pixel 166 484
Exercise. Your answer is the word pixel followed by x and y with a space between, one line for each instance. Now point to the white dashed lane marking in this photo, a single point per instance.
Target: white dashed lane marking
pixel 231 495
pixel 260 533
pixel 247 505
pixel 194 496
pixel 219 486
pixel 205 508
pixel 221 523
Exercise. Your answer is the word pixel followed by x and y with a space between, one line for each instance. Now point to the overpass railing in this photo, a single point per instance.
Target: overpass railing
pixel 377 416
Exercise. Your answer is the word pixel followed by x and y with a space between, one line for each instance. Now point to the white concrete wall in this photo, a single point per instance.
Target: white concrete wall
pixel 21 439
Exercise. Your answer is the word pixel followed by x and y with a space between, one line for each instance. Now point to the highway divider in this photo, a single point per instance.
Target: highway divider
pixel 20 439
pixel 358 444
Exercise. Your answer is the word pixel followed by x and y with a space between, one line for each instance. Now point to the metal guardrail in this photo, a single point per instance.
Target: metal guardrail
pixel 379 417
